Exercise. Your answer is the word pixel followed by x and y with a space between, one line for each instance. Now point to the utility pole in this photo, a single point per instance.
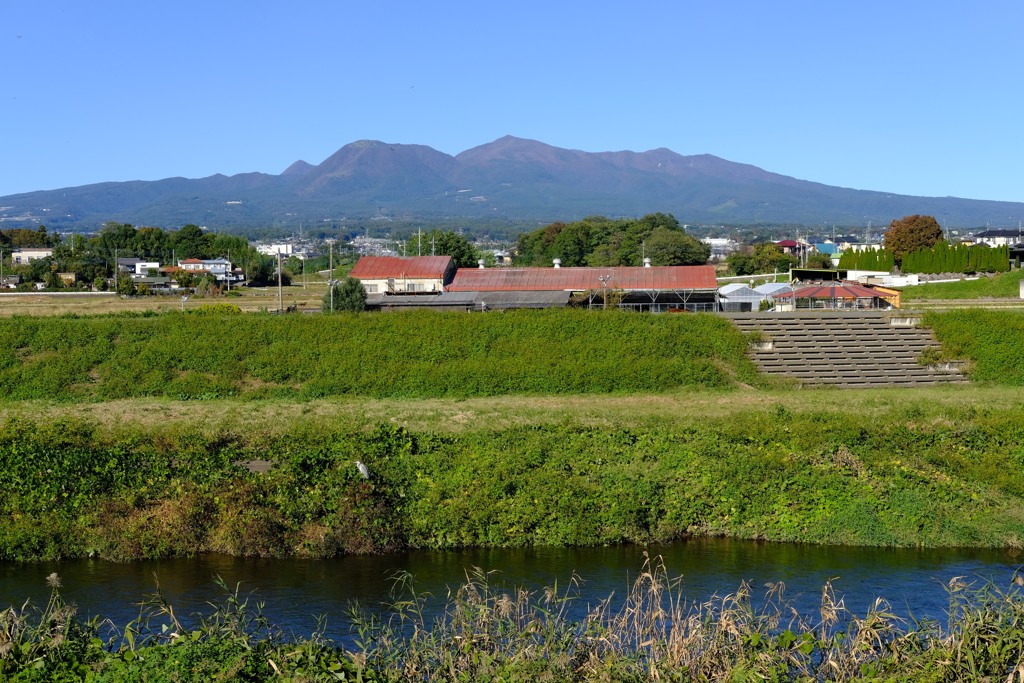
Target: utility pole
pixel 604 285
pixel 330 276
pixel 280 291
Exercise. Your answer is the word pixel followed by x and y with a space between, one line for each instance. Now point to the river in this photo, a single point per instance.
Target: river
pixel 295 592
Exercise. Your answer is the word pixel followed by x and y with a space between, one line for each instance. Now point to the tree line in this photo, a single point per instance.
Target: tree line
pixel 940 258
pixel 598 241
pixel 93 258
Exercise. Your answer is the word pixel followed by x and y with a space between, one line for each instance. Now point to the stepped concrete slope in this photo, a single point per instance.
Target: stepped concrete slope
pixel 844 348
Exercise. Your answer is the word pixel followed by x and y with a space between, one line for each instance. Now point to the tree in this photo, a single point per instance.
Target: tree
pixel 740 263
pixel 597 241
pixel 911 233
pixel 190 242
pixel 667 247
pixel 23 237
pixel 816 259
pixel 572 244
pixel 347 295
pixel 458 247
pixel 259 269
pixel 117 237
pixel 125 285
pixel 760 259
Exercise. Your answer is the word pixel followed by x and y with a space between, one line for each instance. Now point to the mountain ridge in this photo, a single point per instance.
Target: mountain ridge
pixel 511 178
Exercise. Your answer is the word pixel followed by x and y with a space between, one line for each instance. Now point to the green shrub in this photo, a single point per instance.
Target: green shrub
pixel 953 479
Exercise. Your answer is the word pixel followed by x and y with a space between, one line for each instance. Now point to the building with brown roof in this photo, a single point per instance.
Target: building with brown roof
pixel 842 295
pixel 657 288
pixel 404 274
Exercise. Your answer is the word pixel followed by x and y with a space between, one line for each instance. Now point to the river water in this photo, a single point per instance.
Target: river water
pixel 296 592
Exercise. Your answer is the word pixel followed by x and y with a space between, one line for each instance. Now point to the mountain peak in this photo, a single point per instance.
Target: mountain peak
pixel 510 179
pixel 300 167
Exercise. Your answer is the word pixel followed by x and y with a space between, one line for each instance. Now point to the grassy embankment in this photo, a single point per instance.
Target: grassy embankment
pixel 416 354
pixel 155 476
pixel 1001 286
pixel 569 464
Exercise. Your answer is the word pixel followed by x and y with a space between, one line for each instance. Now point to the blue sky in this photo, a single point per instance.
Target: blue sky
pixel 921 98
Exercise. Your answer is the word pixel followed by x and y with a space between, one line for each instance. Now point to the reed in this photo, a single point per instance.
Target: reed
pixel 483 633
pixel 654 634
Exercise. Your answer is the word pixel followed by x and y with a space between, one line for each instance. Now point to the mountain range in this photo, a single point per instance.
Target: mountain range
pixel 510 179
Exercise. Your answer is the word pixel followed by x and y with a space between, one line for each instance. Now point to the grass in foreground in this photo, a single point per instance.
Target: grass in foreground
pixel 483 634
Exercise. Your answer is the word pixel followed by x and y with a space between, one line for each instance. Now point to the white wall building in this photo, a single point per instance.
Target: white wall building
pixel 284 250
pixel 22 256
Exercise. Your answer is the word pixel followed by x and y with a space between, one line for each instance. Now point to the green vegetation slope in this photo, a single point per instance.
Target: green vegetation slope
pixel 413 354
pixel 949 476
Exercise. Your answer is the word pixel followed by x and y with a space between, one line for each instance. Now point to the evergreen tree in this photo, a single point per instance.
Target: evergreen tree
pixel 348 295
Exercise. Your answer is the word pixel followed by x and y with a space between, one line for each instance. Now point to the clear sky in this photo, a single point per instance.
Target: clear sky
pixel 909 97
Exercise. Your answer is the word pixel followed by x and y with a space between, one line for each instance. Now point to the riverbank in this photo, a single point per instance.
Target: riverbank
pixel 532 428
pixel 939 467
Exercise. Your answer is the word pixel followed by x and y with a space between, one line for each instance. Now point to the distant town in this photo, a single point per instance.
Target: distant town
pixel 589 263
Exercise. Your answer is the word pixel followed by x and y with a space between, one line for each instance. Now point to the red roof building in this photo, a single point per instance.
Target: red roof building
pixel 657 278
pixel 418 267
pixel 653 288
pixel 403 275
pixel 842 295
pixel 791 246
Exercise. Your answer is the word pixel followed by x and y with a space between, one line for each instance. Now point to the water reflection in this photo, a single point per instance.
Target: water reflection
pixel 296 592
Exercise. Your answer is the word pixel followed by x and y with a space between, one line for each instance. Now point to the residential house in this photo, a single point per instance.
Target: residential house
pixel 137 267
pixel 127 265
pixel 22 256
pixel 792 247
pixel 145 268
pixel 220 268
pixel 860 246
pixel 999 238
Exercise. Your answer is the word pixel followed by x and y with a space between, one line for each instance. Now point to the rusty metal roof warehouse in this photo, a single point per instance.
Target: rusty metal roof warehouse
pixel 582 279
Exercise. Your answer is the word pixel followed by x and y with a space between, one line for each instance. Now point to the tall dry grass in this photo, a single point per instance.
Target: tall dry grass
pixel 487 634
pixel 654 634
